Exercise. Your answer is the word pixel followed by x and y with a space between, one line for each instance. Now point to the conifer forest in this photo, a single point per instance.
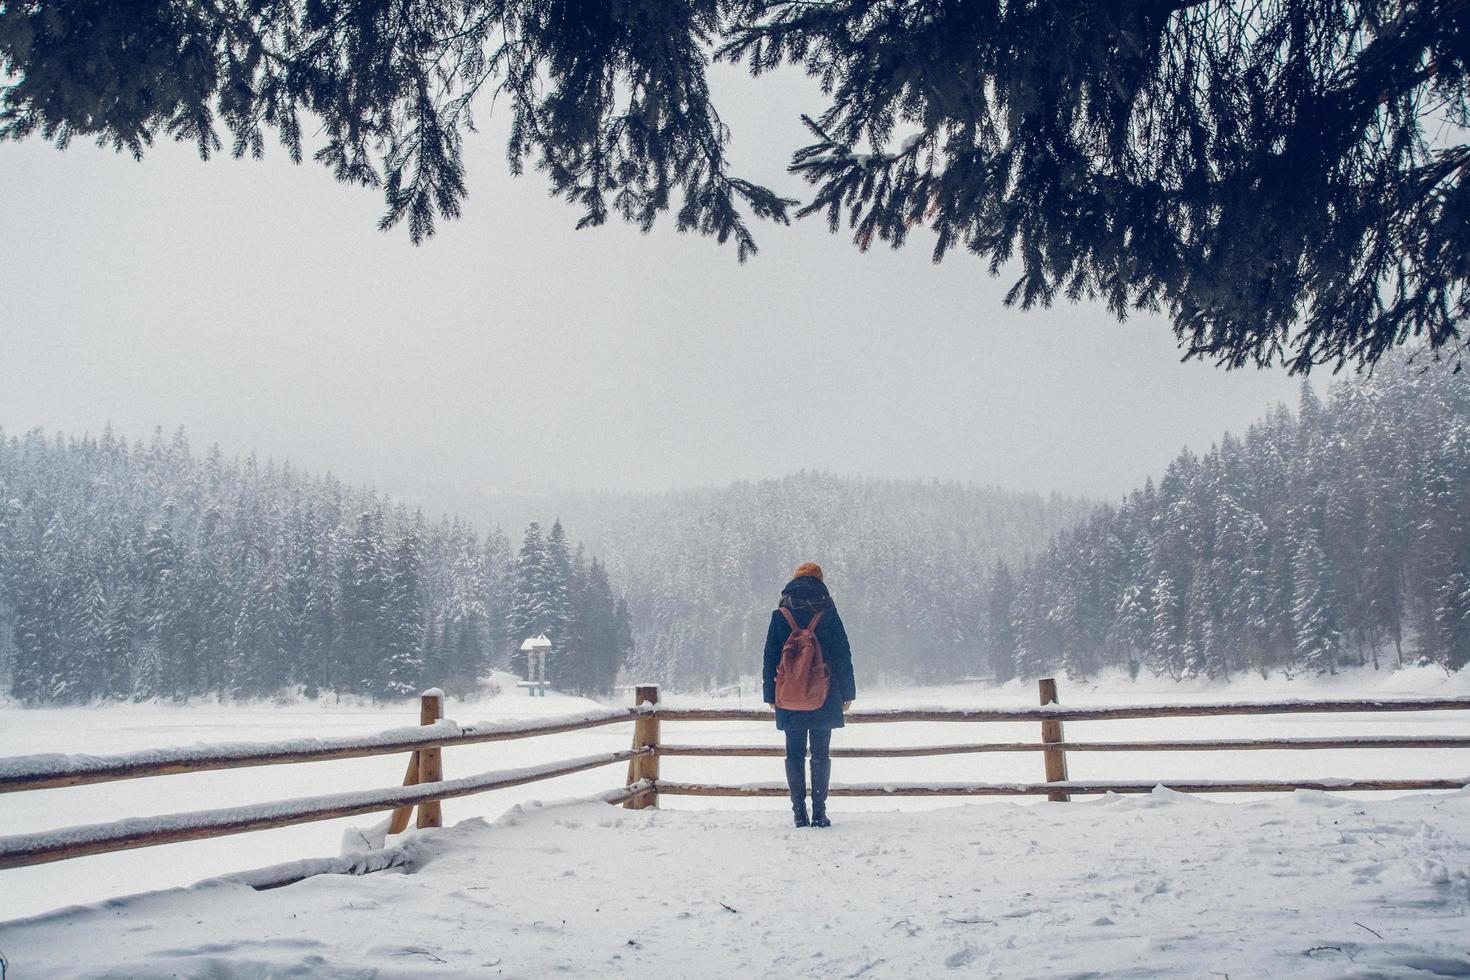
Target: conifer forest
pixel 1331 535
pixel 1338 535
pixel 142 571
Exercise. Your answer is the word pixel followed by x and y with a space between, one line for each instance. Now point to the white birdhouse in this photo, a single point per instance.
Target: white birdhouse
pixel 536 648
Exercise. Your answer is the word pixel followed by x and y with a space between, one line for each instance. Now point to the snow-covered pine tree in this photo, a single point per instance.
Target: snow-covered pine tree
pixel 466 629
pixel 597 628
pixel 571 669
pixel 402 650
pixel 263 631
pixel 1314 619
pixel 1132 626
pixel 87 628
pixel 1036 646
pixel 9 510
pixel 119 643
pixel 540 603
pixel 1166 636
pixel 497 578
pixel 1000 623
pixel 557 580
pixel 36 620
pixel 364 587
pixel 316 622
pixel 528 612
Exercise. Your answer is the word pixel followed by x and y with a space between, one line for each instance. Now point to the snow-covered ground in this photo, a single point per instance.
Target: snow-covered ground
pixel 1117 838
pixel 1163 885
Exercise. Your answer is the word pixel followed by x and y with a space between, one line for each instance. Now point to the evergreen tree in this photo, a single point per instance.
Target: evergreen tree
pixel 468 627
pixel 119 640
pixel 1313 617
pixel 556 578
pixel 1452 615
pixel 403 627
pixel 34 628
pixel 1166 638
pixel 1001 623
pixel 1285 180
pixel 364 606
pixel 540 604
pixel 572 668
pixel 528 610
pixel 1034 649
pixel 263 631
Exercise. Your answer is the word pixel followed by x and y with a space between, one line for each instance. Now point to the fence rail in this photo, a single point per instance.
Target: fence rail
pixel 1058 713
pixel 70 842
pixel 1203 745
pixel 425 786
pixel 1070 786
pixel 49 771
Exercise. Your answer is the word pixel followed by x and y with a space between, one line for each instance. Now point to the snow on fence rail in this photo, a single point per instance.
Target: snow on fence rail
pixel 1056 712
pixel 48 770
pixel 69 842
pixel 1221 745
pixel 1068 786
pixel 424 785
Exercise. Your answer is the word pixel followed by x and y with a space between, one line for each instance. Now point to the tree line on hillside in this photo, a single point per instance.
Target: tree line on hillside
pixel 1336 536
pixel 1339 536
pixel 140 571
pixel 908 563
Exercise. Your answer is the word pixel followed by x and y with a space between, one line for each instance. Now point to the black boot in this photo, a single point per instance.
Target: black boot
pixel 796 780
pixel 821 778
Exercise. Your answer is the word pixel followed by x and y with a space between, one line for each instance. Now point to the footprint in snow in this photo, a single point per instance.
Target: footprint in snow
pixel 1365 874
pixel 962 957
pixel 1432 872
pixel 1439 966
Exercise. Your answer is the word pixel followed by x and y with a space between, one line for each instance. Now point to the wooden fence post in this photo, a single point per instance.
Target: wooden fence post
pixel 1051 731
pixel 431 766
pixel 645 732
pixel 399 823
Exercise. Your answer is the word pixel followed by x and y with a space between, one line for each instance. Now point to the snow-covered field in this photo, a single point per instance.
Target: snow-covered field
pixel 1165 885
pixel 1183 882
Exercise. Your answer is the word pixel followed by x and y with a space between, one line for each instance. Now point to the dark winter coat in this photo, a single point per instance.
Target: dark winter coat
pixel 805 597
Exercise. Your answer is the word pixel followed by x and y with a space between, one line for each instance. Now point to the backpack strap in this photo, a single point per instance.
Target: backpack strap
pixel 791 620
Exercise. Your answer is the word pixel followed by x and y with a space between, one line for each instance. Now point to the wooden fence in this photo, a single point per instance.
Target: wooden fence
pixel 425 786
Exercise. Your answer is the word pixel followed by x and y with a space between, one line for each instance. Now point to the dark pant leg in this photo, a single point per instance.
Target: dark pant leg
pixel 796 767
pixel 796 743
pixel 821 744
pixel 821 769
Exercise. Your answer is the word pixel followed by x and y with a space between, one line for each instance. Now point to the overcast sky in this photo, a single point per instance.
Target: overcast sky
pixel 255 304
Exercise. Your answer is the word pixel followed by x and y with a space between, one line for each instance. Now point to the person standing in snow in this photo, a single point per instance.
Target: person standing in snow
pixel 805 601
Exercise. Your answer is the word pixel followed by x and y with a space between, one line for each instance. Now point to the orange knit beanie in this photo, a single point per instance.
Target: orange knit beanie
pixel 808 568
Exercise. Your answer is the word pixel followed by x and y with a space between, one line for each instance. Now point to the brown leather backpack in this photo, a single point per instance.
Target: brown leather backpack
pixel 801 676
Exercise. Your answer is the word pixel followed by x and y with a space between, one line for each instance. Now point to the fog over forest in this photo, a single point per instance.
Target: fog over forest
pixel 1333 536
